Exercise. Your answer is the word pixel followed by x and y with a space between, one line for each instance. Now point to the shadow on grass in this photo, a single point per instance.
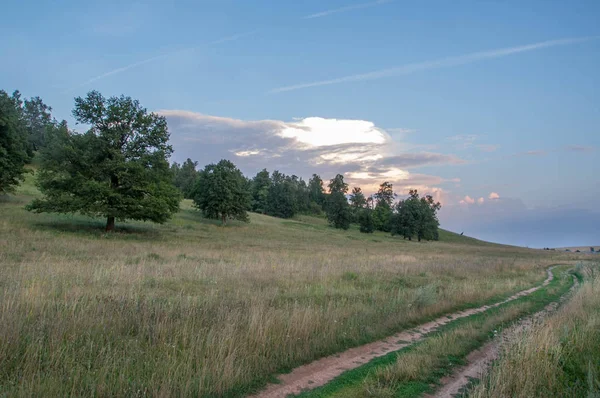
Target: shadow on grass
pixel 96 229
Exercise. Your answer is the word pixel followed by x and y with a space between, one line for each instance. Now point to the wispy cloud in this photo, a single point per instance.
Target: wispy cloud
pixel 347 8
pixel 579 148
pixel 157 57
pixel 439 63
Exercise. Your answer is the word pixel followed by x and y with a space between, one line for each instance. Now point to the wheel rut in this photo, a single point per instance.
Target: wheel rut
pixel 480 360
pixel 322 371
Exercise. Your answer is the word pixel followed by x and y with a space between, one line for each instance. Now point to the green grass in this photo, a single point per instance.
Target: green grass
pixel 193 308
pixel 412 371
pixel 559 357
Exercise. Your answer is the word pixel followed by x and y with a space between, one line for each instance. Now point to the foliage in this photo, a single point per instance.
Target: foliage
pixel 39 122
pixel 315 188
pixel 118 169
pixel 416 216
pixel 221 192
pixel 260 191
pixel 385 195
pixel 338 210
pixel 185 176
pixel 381 217
pixel 13 142
pixel 365 221
pixel 287 196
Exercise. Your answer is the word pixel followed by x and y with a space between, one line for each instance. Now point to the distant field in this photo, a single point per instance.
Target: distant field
pixel 191 308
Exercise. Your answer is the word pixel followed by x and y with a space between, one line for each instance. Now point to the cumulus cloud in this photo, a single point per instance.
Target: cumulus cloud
pixel 493 196
pixel 364 153
pixel 467 200
pixel 480 201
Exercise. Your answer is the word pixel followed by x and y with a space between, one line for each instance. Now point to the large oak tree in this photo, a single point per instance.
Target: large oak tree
pixel 118 169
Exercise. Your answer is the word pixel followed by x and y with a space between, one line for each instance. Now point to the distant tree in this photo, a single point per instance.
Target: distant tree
pixel 281 198
pixel 416 216
pixel 221 192
pixel 381 217
pixel 365 221
pixel 357 199
pixel 118 169
pixel 382 213
pixel 385 194
pixel 260 191
pixel 185 177
pixel 13 142
pixel 337 184
pixel 316 194
pixel 39 122
pixel 338 209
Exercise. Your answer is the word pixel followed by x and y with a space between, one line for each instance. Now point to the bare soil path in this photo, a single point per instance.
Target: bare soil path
pixel 324 370
pixel 479 361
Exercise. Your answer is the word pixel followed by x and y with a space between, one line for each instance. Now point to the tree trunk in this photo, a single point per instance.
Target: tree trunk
pixel 110 224
pixel 223 219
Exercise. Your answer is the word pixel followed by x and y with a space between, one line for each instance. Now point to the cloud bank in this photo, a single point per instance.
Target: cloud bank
pixel 364 153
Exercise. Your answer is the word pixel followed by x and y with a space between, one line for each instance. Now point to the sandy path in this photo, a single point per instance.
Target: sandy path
pixel 479 361
pixel 324 370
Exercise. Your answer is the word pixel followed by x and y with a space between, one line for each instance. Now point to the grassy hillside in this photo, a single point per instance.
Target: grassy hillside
pixel 192 308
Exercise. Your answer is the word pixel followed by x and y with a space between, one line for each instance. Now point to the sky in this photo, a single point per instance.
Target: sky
pixel 492 107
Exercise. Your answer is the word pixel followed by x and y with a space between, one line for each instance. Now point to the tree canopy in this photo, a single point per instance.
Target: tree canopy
pixel 118 169
pixel 185 176
pixel 13 142
pixel 338 209
pixel 416 216
pixel 221 192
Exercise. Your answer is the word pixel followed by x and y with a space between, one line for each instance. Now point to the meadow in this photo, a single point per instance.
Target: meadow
pixel 191 308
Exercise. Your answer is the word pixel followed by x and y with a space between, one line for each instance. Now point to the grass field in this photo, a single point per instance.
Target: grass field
pixel 558 358
pixel 190 308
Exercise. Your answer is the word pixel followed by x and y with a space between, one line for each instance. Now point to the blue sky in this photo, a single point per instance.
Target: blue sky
pixel 493 107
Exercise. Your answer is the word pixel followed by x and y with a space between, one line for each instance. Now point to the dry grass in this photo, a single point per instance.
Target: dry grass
pixel 558 358
pixel 193 309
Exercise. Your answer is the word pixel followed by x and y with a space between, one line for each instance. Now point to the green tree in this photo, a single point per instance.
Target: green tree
pixel 337 184
pixel 365 221
pixel 13 142
pixel 185 176
pixel 281 199
pixel 260 191
pixel 118 169
pixel 385 194
pixel 221 192
pixel 416 216
pixel 38 121
pixel 381 217
pixel 316 193
pixel 357 199
pixel 338 209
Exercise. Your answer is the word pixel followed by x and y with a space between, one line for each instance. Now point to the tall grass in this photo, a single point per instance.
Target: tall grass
pixel 190 308
pixel 558 358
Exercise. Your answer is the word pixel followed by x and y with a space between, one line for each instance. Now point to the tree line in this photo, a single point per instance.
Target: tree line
pixel 119 170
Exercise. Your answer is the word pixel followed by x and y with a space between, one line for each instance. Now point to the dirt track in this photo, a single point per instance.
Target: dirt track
pixel 479 361
pixel 322 371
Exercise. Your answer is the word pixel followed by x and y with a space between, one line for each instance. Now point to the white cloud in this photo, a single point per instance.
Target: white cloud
pixel 480 201
pixel 493 196
pixel 467 200
pixel 358 149
pixel 317 131
pixel 435 64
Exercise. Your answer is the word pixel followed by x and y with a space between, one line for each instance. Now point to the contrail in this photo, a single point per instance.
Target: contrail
pixel 347 8
pixel 439 63
pixel 166 55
